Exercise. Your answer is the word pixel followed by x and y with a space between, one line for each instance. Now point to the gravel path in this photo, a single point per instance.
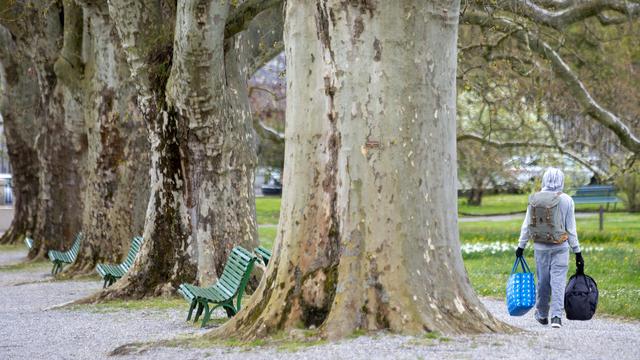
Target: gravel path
pixel 28 332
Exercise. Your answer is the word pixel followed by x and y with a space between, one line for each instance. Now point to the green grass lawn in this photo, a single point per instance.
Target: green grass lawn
pixel 612 258
pixel 495 204
pixel 511 203
pixel 618 227
pixel 616 269
pixel 267 235
pixel 268 209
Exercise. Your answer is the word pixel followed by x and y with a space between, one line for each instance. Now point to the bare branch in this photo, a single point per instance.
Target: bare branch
pixel 515 144
pixel 612 20
pixel 274 96
pixel 627 138
pixel 240 18
pixel 579 10
pixel 557 4
pixel 267 132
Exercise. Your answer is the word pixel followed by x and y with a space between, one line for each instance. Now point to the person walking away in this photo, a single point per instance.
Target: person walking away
pixel 550 223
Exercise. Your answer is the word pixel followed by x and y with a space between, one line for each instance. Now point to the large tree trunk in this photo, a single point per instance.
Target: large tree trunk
pixel 145 29
pixel 117 163
pixel 208 91
pixel 203 159
pixel 20 109
pixel 60 144
pixel 61 151
pixel 368 234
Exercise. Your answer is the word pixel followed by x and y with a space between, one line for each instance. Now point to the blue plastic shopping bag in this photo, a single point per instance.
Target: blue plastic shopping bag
pixel 521 289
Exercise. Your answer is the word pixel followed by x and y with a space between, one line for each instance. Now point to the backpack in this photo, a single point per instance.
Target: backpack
pixel 580 297
pixel 546 224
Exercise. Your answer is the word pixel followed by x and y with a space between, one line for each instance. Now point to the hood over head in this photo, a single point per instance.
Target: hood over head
pixel 552 180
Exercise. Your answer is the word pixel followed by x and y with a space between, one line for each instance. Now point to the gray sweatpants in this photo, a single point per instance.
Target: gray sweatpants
pixel 551 268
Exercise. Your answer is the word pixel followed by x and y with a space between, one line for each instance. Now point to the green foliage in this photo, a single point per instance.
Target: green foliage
pixel 629 185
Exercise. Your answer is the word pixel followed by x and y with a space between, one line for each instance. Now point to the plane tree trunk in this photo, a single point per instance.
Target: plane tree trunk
pixel 60 143
pixel 368 236
pixel 192 95
pixel 145 29
pixel 20 110
pixel 117 168
pixel 208 91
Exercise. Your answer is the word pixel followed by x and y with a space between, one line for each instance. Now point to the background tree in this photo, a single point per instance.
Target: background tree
pixel 19 100
pixel 192 94
pixel 37 30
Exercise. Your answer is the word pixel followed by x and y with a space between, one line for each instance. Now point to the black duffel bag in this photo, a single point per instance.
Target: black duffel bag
pixel 580 297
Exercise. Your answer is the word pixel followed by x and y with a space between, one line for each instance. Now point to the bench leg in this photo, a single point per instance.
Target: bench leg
pixel 198 312
pixel 57 267
pixel 230 310
pixel 207 314
pixel 106 280
pixel 191 307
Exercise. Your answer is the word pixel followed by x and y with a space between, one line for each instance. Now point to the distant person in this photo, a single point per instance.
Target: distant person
pixel 551 224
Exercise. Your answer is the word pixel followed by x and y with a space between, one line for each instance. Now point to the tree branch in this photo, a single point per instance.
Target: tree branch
pixel 267 132
pixel 563 70
pixel 515 144
pixel 263 39
pixel 579 10
pixel 606 20
pixel 240 18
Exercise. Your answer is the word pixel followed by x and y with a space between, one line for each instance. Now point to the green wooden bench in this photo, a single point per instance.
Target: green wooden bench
pixel 110 273
pixel 230 286
pixel 61 258
pixel 264 255
pixel 596 194
pixel 29 242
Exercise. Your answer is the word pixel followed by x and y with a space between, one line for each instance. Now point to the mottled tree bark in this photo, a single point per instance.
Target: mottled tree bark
pixel 145 29
pixel 117 168
pixel 368 233
pixel 61 145
pixel 20 109
pixel 203 159
pixel 208 90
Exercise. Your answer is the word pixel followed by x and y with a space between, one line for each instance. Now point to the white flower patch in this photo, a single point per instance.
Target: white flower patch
pixel 499 246
pixel 493 247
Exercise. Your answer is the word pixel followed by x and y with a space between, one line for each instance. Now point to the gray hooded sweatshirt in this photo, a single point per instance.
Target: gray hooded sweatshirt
pixel 553 181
